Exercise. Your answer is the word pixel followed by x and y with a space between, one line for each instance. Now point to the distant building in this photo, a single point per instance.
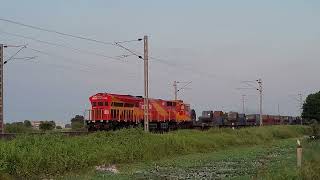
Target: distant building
pixel 62 125
pixel 35 124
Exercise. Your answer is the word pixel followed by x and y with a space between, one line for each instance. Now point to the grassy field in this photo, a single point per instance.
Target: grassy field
pixel 285 168
pixel 254 162
pixel 275 160
pixel 54 155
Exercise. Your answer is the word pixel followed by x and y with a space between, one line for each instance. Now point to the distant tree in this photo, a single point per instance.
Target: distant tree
pixel 315 128
pixel 27 123
pixel 311 108
pixel 17 127
pixel 58 127
pixel 77 122
pixel 67 126
pixel 47 125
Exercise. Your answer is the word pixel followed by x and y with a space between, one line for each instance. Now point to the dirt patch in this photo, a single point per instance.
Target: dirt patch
pixel 108 168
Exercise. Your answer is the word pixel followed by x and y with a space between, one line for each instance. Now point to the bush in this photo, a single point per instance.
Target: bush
pixel 47 125
pixel 18 127
pixel 34 156
pixel 315 129
pixel 77 123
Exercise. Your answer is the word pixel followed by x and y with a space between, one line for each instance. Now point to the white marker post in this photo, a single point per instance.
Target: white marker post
pixel 299 154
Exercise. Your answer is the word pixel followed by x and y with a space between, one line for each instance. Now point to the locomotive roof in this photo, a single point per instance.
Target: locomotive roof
pixel 130 97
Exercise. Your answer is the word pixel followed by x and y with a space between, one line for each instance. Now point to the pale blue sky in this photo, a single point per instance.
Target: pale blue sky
pixel 214 44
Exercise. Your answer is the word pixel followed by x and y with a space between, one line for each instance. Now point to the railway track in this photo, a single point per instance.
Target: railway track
pixel 8 136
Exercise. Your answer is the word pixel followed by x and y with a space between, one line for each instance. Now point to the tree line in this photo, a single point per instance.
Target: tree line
pixel 76 124
pixel 311 108
pixel 311 113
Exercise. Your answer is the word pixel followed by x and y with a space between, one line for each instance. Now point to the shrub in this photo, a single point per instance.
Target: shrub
pixel 47 125
pixel 18 127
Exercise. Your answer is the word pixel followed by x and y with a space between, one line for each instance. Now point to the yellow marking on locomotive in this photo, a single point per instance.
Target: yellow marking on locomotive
pixel 160 109
pixel 113 98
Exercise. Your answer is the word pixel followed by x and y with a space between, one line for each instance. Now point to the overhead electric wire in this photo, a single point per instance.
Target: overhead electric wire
pixel 184 86
pixel 119 42
pixel 92 67
pixel 129 50
pixel 136 53
pixel 68 59
pixel 57 56
pixel 25 58
pixel 62 45
pixel 11 57
pixel 66 34
pixel 249 85
pixel 166 62
pixel 56 32
pixel 116 44
pixel 16 46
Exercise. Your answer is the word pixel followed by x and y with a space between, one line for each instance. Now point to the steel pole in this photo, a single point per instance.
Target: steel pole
pixel 146 85
pixel 1 90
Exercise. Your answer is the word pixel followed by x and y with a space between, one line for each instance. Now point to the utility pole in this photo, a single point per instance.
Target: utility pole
pixel 260 92
pixel 301 106
pixel 1 90
pixel 175 87
pixel 146 85
pixel 243 104
pixel 279 110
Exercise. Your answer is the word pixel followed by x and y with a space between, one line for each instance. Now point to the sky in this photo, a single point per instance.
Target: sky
pixel 214 44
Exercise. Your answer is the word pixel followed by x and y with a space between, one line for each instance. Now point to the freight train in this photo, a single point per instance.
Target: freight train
pixel 234 119
pixel 114 111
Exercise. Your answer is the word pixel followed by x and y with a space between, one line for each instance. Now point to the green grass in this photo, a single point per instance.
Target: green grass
pixel 234 163
pixel 286 168
pixel 275 160
pixel 53 155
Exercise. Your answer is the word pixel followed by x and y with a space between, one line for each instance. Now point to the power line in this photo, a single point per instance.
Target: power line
pixel 93 68
pixel 138 54
pixel 56 32
pixel 121 42
pixel 11 57
pixel 186 84
pixel 64 46
pixel 165 62
pixel 96 41
pixel 117 44
pixel 129 50
pixel 68 59
pixel 25 58
pixel 65 34
pixel 55 56
pixel 176 90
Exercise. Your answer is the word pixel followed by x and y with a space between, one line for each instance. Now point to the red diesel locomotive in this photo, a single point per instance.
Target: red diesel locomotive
pixel 115 111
